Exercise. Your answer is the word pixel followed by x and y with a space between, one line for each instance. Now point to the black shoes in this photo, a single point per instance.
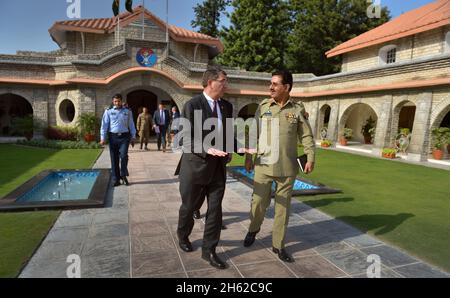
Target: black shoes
pixel 197 214
pixel 186 246
pixel 250 238
pixel 283 255
pixel 125 181
pixel 117 183
pixel 213 259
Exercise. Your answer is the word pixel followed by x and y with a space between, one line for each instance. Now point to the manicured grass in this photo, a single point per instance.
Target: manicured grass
pixel 21 233
pixel 402 204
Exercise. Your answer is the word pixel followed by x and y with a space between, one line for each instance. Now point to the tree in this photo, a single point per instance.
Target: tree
pixel 257 37
pixel 320 25
pixel 207 16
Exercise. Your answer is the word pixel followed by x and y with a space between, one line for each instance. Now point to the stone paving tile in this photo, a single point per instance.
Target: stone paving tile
pixel 151 244
pixel 420 270
pixel 273 269
pixel 98 248
pixel 315 266
pixel 389 256
pixel 148 229
pixel 350 261
pixel 384 273
pixel 77 234
pixel 46 269
pixel 115 265
pixel 244 255
pixel 108 231
pixel 163 262
pixel 230 272
pixel 112 217
pixel 57 251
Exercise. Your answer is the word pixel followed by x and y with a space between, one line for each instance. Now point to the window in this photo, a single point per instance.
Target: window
pixel 67 110
pixel 388 54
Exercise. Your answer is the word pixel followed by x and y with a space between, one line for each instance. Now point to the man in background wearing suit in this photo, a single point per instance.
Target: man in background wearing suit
pixel 204 173
pixel 161 120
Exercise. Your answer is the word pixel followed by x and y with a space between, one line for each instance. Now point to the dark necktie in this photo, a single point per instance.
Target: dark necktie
pixel 214 112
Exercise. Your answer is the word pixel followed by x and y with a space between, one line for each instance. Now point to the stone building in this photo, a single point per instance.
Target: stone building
pixel 397 73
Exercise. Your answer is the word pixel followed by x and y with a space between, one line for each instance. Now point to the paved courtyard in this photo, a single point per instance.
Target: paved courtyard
pixel 135 236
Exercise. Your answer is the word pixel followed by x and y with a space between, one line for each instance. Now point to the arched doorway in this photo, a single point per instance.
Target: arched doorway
pixel 248 111
pixel 356 117
pixel 139 99
pixel 324 119
pixel 405 113
pixel 15 107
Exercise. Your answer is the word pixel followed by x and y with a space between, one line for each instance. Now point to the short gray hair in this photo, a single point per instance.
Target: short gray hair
pixel 212 73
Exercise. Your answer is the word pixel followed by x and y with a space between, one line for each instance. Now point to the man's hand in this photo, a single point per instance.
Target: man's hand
pixel 247 150
pixel 132 142
pixel 309 167
pixel 102 142
pixel 249 164
pixel 215 152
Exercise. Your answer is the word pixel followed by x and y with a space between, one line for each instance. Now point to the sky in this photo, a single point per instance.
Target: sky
pixel 24 24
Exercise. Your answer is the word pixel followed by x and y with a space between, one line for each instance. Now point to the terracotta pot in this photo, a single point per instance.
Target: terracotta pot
pixel 367 139
pixel 343 141
pixel 438 154
pixel 325 145
pixel 89 137
pixel 28 135
pixel 387 155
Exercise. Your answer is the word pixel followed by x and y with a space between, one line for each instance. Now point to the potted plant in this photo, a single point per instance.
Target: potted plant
pixel 389 153
pixel 367 132
pixel 87 123
pixel 325 143
pixel 347 135
pixel 440 135
pixel 24 126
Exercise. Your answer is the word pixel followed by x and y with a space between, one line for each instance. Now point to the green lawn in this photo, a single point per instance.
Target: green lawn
pixel 402 204
pixel 21 233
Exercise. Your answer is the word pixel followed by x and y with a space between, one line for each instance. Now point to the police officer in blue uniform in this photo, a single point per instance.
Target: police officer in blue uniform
pixel 118 126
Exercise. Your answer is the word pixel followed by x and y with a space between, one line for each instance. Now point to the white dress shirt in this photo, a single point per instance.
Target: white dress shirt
pixel 211 105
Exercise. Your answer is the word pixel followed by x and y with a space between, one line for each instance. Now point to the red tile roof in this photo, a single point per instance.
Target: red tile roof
pixel 108 25
pixel 425 18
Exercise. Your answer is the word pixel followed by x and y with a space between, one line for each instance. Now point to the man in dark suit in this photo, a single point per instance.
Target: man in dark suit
pixel 161 120
pixel 203 170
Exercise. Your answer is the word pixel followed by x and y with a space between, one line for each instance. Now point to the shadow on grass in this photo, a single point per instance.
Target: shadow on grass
pixel 326 202
pixel 383 223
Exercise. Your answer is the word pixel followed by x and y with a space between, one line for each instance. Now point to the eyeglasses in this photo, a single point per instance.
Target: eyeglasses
pixel 223 81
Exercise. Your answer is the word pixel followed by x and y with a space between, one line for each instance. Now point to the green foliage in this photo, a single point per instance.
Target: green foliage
pixel 404 131
pixel 58 144
pixel 348 133
pixel 326 142
pixel 366 128
pixel 88 123
pixel 22 126
pixel 207 16
pixel 257 37
pixel 441 136
pixel 389 151
pixel 319 26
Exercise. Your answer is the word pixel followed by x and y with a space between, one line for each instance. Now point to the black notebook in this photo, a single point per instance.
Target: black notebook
pixel 302 160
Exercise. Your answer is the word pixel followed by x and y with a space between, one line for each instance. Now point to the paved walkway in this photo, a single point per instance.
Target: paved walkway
pixel 135 236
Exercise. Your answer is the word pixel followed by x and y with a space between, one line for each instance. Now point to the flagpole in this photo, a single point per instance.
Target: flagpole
pixel 143 22
pixel 167 26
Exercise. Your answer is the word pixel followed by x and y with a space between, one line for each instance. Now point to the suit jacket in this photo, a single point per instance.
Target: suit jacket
pixel 200 166
pixel 156 118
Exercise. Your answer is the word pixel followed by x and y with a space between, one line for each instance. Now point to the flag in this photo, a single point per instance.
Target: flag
pixel 115 7
pixel 129 5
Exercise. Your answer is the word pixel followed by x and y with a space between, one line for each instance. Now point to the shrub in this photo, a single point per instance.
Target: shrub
pixel 59 144
pixel 64 133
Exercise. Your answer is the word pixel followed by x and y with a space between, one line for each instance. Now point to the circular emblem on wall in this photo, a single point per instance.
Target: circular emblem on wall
pixel 146 57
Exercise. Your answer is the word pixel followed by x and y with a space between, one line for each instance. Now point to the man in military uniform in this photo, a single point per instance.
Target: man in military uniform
pixel 293 127
pixel 118 126
pixel 144 123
